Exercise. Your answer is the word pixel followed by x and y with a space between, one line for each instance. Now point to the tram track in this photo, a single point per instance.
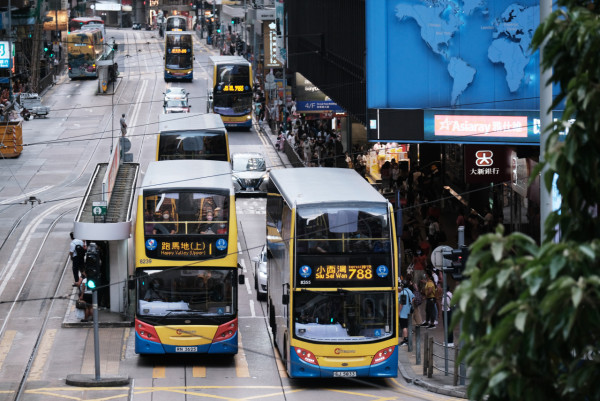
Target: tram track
pixel 42 314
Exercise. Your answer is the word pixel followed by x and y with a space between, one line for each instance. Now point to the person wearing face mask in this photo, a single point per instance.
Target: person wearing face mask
pixel 208 227
pixel 152 293
pixel 165 227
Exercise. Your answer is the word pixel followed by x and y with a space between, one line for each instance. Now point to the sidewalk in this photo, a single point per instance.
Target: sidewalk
pixel 413 373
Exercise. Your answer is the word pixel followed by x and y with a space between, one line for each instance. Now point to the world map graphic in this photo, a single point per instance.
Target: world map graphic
pixel 447 28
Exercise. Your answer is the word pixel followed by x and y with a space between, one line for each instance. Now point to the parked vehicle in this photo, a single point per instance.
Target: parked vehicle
pixel 136 26
pixel 33 103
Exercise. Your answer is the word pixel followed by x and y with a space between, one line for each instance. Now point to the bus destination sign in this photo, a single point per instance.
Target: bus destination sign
pixel 339 272
pixel 179 51
pixel 185 248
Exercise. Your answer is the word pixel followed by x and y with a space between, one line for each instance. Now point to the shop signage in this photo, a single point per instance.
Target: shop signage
pixel 483 126
pixel 56 20
pixel 486 164
pixel 4 54
pixel 263 15
pixel 271 48
pixel 317 106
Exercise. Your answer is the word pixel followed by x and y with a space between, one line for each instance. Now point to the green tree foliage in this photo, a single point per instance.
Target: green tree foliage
pixel 531 314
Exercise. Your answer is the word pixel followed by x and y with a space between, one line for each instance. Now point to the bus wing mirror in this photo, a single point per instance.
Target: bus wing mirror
pixel 285 299
pixel 241 279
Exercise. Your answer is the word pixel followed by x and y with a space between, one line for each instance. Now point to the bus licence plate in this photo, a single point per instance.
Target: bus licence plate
pixel 186 349
pixel 344 374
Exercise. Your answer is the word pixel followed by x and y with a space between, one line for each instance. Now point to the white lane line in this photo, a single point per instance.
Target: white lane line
pixel 243 264
pixel 23 246
pixel 252 312
pixel 247 282
pixel 25 195
pixel 136 109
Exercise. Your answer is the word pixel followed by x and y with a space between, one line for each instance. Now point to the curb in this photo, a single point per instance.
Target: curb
pixel 90 381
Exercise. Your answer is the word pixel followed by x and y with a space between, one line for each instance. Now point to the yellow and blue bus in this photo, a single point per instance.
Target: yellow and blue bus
pixel 176 23
pixel 192 136
pixel 231 92
pixel 84 49
pixel 186 259
pixel 332 274
pixel 179 56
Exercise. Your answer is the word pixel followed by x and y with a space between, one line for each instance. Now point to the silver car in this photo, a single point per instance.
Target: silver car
pixel 250 174
pixel 260 274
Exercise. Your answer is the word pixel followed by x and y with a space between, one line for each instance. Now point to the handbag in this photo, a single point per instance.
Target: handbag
pixel 79 304
pixel 418 298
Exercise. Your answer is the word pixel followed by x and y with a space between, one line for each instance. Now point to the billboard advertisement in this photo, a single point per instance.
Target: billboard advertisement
pixel 452 54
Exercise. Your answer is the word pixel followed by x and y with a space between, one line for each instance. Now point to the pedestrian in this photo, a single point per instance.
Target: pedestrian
pixel 77 255
pixel 430 289
pixel 405 300
pixel 123 125
pixel 85 295
pixel 447 308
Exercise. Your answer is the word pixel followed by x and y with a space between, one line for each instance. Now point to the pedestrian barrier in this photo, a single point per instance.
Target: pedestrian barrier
pixel 435 358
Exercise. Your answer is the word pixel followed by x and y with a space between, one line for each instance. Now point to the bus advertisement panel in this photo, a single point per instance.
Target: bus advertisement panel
pixel 334 267
pixel 186 259
pixel 179 56
pixel 231 90
pixel 84 49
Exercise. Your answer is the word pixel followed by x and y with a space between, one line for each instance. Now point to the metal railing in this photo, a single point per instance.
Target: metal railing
pixel 435 358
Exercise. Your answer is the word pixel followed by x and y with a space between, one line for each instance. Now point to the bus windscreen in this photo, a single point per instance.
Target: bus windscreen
pixel 206 145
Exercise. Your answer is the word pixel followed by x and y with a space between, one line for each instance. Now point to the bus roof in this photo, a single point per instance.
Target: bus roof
pixel 190 122
pixel 313 185
pixel 85 20
pixel 228 60
pixel 188 174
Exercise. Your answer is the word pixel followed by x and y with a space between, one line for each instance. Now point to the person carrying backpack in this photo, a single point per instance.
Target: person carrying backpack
pixel 405 307
pixel 77 255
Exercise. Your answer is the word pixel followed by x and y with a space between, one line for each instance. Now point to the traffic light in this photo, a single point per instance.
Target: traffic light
pixel 458 258
pixel 233 20
pixel 92 266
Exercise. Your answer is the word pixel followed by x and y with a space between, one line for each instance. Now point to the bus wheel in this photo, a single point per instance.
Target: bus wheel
pixel 284 357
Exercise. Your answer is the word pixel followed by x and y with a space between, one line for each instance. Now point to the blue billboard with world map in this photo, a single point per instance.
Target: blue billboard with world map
pixel 452 54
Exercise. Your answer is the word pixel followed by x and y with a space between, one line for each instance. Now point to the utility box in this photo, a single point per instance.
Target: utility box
pixel 11 138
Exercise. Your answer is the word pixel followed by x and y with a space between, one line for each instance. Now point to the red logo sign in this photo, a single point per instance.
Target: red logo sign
pixel 178 332
pixel 484 158
pixel 337 350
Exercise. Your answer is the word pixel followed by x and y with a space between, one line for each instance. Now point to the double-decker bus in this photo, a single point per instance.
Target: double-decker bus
pixel 332 274
pixel 186 259
pixel 78 22
pixel 176 23
pixel 84 49
pixel 192 136
pixel 231 92
pixel 179 56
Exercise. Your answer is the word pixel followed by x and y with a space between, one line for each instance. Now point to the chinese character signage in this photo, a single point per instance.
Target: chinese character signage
pixel 343 271
pixel 5 55
pixel 271 48
pixel 185 248
pixel 485 164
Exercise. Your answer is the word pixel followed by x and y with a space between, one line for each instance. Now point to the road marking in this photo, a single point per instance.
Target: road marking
pixel 199 371
pixel 241 364
pixel 243 264
pixel 252 312
pixel 5 344
pixel 42 356
pixel 280 366
pixel 25 195
pixel 159 372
